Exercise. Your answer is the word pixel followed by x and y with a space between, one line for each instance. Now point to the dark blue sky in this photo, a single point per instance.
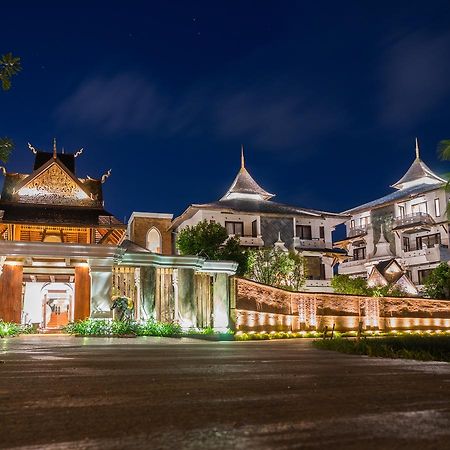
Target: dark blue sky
pixel 327 97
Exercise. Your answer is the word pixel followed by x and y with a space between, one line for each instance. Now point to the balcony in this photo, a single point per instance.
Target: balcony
pixel 432 254
pixel 413 223
pixel 318 286
pixel 357 232
pixel 353 267
pixel 250 241
pixel 311 244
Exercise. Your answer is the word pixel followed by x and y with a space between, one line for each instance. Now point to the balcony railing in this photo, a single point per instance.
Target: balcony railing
pixel 357 231
pixel 413 220
pixel 311 243
pixel 248 240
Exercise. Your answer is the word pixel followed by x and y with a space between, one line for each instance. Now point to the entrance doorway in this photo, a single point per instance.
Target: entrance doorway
pixel 48 303
pixel 57 299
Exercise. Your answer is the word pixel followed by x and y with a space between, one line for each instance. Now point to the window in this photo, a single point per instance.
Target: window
pixel 419 208
pixel 315 269
pixel 359 253
pixel 322 232
pixel 304 231
pixel 364 221
pixel 352 223
pixel 154 241
pixel 428 241
pixel 236 228
pixel 254 228
pixel 406 244
pixel 437 207
pixel 423 275
pixel 402 210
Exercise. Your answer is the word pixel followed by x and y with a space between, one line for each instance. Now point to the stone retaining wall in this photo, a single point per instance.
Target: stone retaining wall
pixel 259 307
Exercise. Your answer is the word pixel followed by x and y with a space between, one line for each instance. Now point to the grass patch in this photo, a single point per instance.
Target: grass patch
pixel 424 348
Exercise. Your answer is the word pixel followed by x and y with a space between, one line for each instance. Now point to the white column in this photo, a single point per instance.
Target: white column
pixel 221 302
pixel 101 287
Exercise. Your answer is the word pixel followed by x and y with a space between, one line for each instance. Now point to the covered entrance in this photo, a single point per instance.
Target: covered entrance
pixel 48 300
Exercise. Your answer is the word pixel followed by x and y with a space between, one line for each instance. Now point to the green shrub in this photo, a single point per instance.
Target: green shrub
pixel 106 327
pixel 153 328
pixel 14 329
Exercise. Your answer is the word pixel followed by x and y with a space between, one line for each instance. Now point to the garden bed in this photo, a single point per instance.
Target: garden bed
pixel 424 348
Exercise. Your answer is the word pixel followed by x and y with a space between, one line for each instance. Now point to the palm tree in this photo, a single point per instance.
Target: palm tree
pixel 9 66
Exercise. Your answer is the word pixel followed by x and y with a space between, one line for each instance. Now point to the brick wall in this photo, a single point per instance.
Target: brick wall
pixel 140 227
pixel 264 308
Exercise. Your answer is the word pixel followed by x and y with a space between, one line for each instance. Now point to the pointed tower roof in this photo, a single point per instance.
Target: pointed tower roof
pixel 244 186
pixel 418 173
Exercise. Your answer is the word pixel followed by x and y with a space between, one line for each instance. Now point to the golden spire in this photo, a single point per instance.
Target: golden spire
pixel 54 148
pixel 242 157
pixel 417 149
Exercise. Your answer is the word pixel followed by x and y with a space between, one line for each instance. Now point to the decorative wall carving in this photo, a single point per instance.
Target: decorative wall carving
pixel 54 186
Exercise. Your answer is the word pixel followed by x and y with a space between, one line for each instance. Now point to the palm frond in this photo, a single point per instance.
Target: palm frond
pixel 444 149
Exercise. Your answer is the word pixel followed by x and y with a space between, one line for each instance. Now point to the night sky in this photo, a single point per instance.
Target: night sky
pixel 327 97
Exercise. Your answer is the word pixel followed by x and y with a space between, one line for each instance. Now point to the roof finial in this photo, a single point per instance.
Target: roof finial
pixel 417 149
pixel 242 157
pixel 54 148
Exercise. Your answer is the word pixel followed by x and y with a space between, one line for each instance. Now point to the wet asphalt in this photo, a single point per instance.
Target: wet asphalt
pixel 160 393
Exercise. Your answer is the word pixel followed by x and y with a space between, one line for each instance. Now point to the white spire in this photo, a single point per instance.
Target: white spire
pixel 383 248
pixel 242 157
pixel 417 149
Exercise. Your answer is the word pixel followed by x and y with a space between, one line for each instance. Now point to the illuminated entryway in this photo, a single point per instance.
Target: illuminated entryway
pixel 48 304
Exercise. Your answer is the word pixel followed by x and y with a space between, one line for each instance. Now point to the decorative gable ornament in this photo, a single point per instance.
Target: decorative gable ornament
pixel 53 185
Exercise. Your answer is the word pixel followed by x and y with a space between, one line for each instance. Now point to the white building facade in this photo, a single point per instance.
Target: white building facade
pixel 248 211
pixel 412 221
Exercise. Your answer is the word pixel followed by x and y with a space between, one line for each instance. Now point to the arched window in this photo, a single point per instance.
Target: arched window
pixel 154 240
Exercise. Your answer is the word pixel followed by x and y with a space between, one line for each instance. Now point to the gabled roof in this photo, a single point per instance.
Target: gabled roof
pixel 245 184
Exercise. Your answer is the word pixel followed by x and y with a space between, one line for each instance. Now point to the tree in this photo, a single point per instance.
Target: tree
pixel 275 267
pixel 9 66
pixel 203 239
pixel 344 284
pixel 210 240
pixel 437 284
pixel 297 276
pixel 232 251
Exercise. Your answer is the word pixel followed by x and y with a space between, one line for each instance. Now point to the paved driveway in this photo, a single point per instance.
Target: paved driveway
pixel 84 393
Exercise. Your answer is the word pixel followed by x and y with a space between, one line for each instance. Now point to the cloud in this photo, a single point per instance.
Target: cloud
pixel 275 119
pixel 416 78
pixel 122 103
pixel 268 115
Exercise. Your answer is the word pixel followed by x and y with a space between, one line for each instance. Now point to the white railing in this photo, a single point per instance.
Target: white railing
pixel 357 231
pixel 413 219
pixel 251 241
pixel 311 243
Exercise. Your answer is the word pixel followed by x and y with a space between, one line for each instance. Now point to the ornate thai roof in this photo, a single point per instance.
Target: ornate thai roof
pixel 53 194
pixel 246 185
pixel 418 179
pixel 418 173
